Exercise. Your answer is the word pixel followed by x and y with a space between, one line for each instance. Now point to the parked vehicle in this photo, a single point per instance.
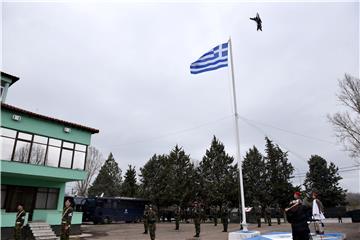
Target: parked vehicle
pixel 112 209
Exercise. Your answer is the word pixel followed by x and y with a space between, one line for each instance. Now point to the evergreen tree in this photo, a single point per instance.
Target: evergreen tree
pixel 129 188
pixel 219 177
pixel 155 179
pixel 254 177
pixel 325 180
pixel 182 174
pixel 108 180
pixel 278 175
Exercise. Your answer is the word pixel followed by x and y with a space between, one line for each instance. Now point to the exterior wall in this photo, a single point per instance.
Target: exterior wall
pixel 22 181
pixel 8 219
pixel 53 217
pixel 37 171
pixel 42 127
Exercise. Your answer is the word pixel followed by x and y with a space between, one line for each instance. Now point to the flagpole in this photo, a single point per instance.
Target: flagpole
pixel 236 115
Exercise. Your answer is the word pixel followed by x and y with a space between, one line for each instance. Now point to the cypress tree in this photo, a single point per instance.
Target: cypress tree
pixel 108 181
pixel 324 179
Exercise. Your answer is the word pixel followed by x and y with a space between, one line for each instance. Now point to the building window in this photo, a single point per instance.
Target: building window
pixel 7 147
pixel 66 158
pixel 52 199
pixel 41 197
pixel 40 150
pixel 7 143
pixel 53 155
pixel 3 196
pixel 22 151
pixel 79 160
pixel 47 198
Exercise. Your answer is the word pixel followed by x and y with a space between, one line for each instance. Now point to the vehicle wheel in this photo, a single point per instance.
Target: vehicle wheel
pixel 106 220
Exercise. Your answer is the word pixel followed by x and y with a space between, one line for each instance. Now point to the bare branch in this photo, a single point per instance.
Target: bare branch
pixel 347 125
pixel 94 162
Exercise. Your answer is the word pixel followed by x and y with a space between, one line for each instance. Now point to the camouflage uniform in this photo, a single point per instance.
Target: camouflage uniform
pixel 268 215
pixel 258 215
pixel 177 214
pixel 19 223
pixel 214 214
pixel 66 223
pixel 225 217
pixel 145 219
pixel 278 215
pixel 152 223
pixel 196 212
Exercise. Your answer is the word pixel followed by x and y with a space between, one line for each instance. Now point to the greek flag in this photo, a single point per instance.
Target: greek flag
pixel 212 60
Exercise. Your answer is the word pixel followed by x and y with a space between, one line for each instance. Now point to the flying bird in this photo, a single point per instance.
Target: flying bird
pixel 258 21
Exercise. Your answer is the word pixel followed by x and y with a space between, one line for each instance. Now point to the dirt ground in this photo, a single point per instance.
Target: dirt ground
pixel 165 231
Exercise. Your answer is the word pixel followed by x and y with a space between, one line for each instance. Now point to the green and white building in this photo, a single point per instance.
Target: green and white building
pixel 39 155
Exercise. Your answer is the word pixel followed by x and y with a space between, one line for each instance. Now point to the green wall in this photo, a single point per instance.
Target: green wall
pixel 43 173
pixel 8 219
pixel 53 217
pixel 43 127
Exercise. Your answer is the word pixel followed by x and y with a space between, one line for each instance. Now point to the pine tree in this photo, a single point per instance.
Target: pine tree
pixel 254 177
pixel 129 188
pixel 219 177
pixel 108 180
pixel 325 180
pixel 155 178
pixel 278 175
pixel 181 173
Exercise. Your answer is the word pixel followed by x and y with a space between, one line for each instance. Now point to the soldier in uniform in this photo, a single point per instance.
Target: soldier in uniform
pixel 19 222
pixel 278 214
pixel 145 219
pixel 152 222
pixel 214 214
pixel 177 214
pixel 268 215
pixel 196 213
pixel 258 213
pixel 66 220
pixel 225 216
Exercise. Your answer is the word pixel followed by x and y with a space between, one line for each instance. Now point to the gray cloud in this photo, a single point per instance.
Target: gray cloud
pixel 124 68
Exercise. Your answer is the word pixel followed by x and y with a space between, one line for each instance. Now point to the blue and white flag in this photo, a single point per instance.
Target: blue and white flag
pixel 212 60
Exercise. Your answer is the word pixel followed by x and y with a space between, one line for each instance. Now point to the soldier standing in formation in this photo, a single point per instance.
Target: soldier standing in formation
pixel 196 212
pixel 258 213
pixel 278 214
pixel 19 222
pixel 66 220
pixel 145 219
pixel 177 214
pixel 268 215
pixel 214 214
pixel 152 222
pixel 225 216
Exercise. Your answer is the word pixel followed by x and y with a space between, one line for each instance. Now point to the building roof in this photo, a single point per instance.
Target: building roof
pixel 36 115
pixel 12 78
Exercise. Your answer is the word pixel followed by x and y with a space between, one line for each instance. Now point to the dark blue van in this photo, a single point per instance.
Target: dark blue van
pixel 112 209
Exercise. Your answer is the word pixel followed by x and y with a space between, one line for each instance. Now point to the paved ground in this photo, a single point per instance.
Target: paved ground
pixel 165 231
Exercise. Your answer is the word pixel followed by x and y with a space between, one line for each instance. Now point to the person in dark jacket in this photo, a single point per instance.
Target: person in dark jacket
pixel 19 222
pixel 225 216
pixel 66 221
pixel 298 215
pixel 152 222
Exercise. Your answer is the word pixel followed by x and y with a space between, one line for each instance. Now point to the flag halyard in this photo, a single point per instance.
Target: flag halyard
pixel 214 59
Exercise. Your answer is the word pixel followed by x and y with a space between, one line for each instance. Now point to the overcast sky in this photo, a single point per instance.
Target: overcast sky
pixel 124 68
